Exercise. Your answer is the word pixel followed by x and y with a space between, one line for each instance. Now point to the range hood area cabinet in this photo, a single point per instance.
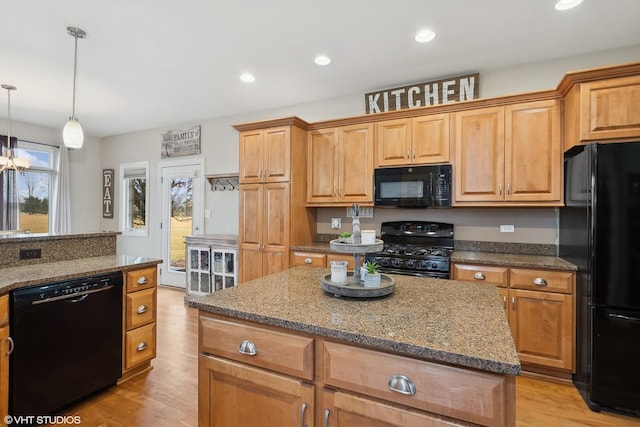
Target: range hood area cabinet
pixel 340 166
pixel 272 211
pixel 509 155
pixel 413 141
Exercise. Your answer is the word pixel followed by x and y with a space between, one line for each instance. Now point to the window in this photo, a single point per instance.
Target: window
pixel 134 219
pixel 35 187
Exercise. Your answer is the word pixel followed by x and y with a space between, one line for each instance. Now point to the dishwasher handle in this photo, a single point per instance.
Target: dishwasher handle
pixel 75 297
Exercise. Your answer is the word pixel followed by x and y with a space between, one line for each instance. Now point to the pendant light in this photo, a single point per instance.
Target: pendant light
pixel 72 134
pixel 9 162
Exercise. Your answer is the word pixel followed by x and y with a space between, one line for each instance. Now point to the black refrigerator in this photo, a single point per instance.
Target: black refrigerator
pixel 599 231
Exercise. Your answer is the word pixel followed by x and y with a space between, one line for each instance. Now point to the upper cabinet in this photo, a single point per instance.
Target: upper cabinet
pixel 509 155
pixel 603 110
pixel 417 140
pixel 265 155
pixel 340 170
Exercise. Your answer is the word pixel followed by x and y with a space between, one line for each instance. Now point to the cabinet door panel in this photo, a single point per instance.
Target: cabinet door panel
pixel 542 327
pixel 479 155
pixel 250 263
pixel 430 138
pixel 322 185
pixel 346 410
pixel 277 154
pixel 226 388
pixel 533 151
pixel 251 156
pixel 276 215
pixel 393 142
pixel 355 163
pixel 251 214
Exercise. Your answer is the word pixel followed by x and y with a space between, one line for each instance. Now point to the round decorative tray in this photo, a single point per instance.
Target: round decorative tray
pixel 354 289
pixel 356 248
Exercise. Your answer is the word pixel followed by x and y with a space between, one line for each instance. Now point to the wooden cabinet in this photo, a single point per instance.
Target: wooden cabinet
pixel 340 169
pixel 6 346
pixel 602 110
pixel 539 305
pixel 139 335
pixel 320 259
pixel 509 155
pixel 293 379
pixel 272 211
pixel 417 140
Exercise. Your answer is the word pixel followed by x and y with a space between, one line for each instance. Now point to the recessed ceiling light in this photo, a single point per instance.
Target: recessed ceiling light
pixel 567 4
pixel 322 60
pixel 247 78
pixel 425 36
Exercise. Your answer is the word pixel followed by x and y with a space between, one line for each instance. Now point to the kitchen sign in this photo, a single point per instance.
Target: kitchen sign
pixel 445 91
pixel 181 142
pixel 107 193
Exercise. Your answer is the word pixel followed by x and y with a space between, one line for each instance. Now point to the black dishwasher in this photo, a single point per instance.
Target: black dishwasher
pixel 68 342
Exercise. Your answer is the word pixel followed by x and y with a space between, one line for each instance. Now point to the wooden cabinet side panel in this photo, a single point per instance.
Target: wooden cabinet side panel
pixel 251 156
pixel 277 154
pixel 479 155
pixel 355 163
pixel 322 185
pixel 533 151
pixel 393 142
pixel 227 387
pixel 430 138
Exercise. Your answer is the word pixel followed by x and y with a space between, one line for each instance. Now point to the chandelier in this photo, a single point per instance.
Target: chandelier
pixel 9 162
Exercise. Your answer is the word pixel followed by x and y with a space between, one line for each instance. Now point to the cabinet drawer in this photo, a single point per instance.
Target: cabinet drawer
pixel 266 348
pixel 481 274
pixel 141 308
pixel 141 279
pixel 542 280
pixel 316 259
pixel 4 309
pixel 341 257
pixel 140 345
pixel 469 395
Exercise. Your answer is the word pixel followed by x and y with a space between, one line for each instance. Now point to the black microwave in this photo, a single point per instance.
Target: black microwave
pixel 413 186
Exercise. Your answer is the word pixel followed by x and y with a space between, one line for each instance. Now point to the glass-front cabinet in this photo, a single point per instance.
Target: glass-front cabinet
pixel 211 263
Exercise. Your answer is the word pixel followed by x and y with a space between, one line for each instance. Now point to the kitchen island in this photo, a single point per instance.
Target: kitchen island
pixel 435 351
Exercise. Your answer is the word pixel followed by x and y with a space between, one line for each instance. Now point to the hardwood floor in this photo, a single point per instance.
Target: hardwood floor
pixel 167 395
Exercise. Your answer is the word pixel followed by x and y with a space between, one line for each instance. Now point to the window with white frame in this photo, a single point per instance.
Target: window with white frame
pixel 134 217
pixel 35 186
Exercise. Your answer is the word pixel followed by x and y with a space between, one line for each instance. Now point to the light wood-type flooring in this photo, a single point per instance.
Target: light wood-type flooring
pixel 167 395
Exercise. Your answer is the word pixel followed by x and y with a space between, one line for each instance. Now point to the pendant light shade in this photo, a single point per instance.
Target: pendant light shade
pixel 9 162
pixel 72 134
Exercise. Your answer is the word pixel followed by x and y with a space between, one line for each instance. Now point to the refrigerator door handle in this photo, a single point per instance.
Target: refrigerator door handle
pixel 625 318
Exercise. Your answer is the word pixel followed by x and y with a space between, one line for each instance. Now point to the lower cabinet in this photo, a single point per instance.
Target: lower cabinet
pixel 320 259
pixel 5 351
pixel 257 375
pixel 539 305
pixel 139 346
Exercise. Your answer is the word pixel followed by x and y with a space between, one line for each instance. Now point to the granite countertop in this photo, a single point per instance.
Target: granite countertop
pixel 446 321
pixel 31 237
pixel 513 260
pixel 36 274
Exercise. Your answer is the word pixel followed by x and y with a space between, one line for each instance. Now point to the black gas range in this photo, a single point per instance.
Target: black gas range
pixel 415 248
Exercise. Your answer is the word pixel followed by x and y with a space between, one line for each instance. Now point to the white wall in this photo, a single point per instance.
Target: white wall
pixel 220 150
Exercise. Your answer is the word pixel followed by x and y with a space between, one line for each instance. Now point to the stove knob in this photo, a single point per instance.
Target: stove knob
pixel 384 261
pixel 396 262
pixel 411 263
pixel 434 265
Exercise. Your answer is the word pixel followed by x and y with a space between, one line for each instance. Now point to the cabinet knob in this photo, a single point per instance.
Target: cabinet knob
pixel 326 418
pixel 308 260
pixel 142 280
pixel 402 384
pixel 248 348
pixel 500 189
pixel 142 346
pixel 142 309
pixel 11 346
pixel 303 410
pixel 539 281
pixel 479 275
pixel 408 154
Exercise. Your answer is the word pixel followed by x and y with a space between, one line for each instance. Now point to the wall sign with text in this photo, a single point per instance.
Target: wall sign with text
pixel 445 91
pixel 180 142
pixel 107 193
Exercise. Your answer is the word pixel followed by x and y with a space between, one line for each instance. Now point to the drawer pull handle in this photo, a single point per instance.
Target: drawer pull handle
pixel 142 346
pixel 302 412
pixel 478 275
pixel 142 280
pixel 142 309
pixel 539 281
pixel 248 348
pixel 308 260
pixel 326 418
pixel 402 384
pixel 12 345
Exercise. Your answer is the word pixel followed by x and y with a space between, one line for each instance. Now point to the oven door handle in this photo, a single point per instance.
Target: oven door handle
pixel 77 297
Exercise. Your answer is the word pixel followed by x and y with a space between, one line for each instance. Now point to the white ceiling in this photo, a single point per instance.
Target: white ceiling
pixel 153 63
